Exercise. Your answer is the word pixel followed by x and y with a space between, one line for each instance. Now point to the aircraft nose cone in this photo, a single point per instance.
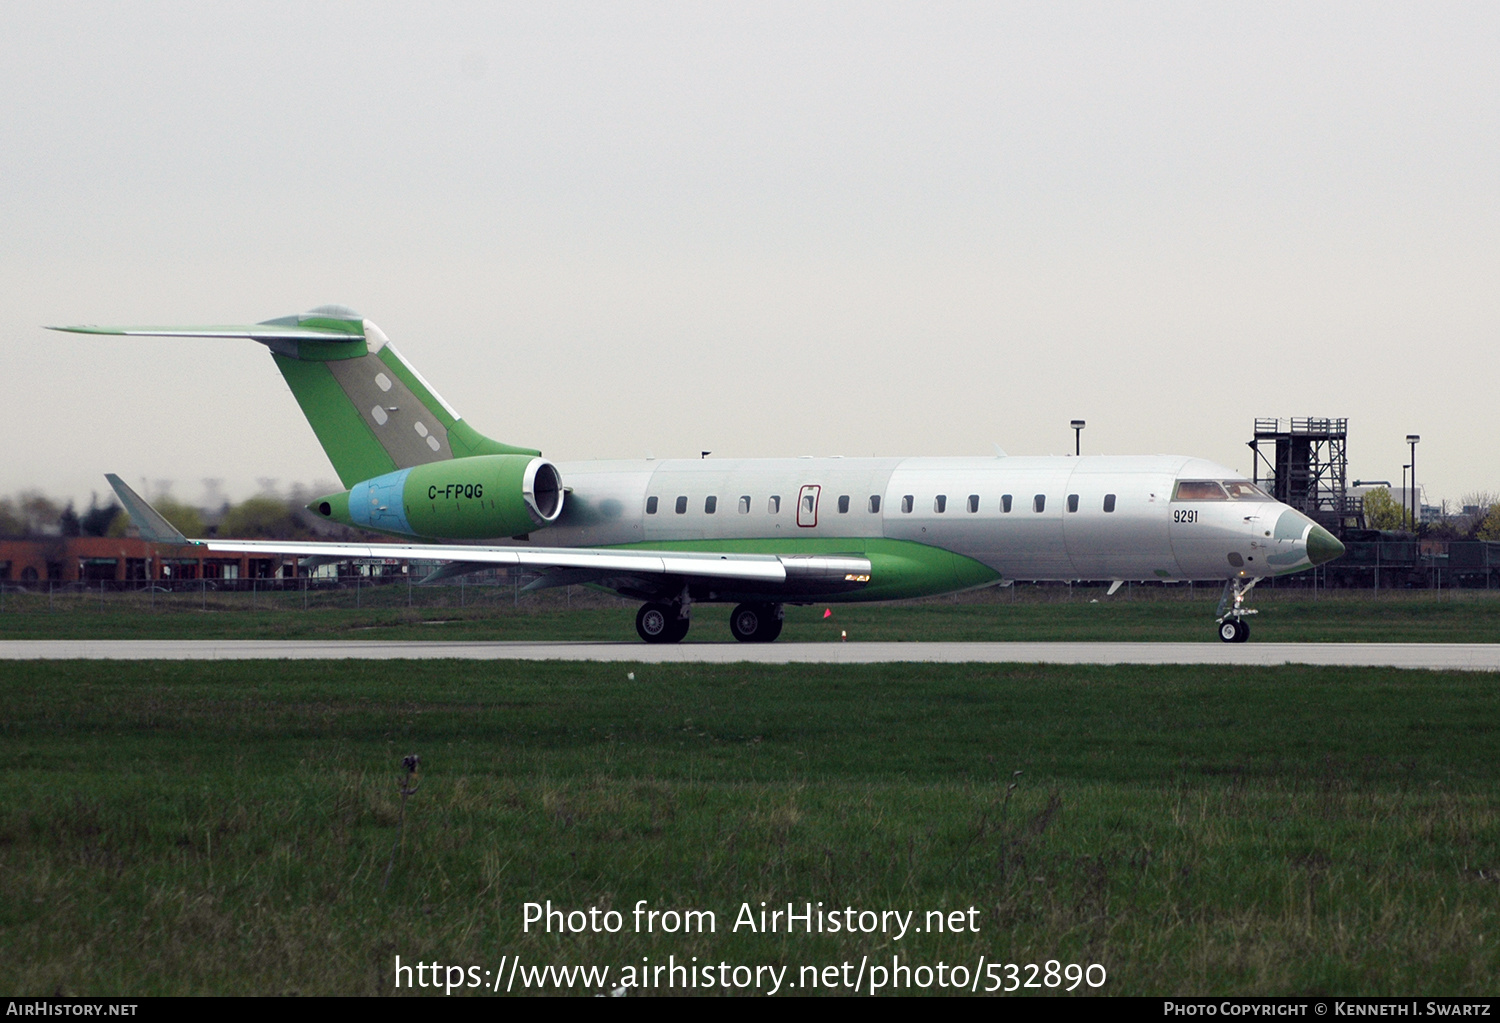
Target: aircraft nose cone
pixel 1322 546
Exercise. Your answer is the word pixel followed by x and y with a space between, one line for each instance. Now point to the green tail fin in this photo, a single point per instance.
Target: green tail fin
pixel 372 412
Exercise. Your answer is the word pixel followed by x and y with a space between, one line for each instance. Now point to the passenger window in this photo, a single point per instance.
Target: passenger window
pixel 874 504
pixel 650 506
pixel 844 504
pixel 907 503
pixel 1109 502
pixel 774 505
pixel 973 502
pixel 745 504
pixel 1039 503
pixel 940 503
pixel 1072 502
pixel 710 505
pixel 682 506
pixel 1005 503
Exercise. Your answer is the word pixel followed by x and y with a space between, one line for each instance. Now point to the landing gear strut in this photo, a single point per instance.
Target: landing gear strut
pixel 1231 621
pixel 660 622
pixel 756 623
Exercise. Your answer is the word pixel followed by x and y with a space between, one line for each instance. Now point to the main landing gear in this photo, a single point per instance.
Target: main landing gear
pixel 1231 621
pixel 756 623
pixel 667 622
pixel 659 622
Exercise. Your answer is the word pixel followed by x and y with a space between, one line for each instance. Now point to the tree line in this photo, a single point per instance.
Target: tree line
pixel 1383 511
pixel 265 516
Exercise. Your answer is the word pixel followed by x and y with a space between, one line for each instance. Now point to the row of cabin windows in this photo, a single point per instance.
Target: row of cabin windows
pixel 773 504
pixel 939 504
pixel 1038 503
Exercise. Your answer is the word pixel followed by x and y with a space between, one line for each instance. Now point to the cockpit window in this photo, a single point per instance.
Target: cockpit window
pixel 1199 490
pixel 1219 490
pixel 1240 490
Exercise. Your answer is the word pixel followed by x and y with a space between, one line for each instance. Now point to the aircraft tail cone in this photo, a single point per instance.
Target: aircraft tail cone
pixel 334 507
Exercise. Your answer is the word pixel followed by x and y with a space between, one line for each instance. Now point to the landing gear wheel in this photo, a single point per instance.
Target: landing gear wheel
pixel 661 623
pixel 1234 630
pixel 755 623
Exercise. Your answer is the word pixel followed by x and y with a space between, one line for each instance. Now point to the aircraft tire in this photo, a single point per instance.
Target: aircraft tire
pixel 1244 631
pixel 1229 631
pixel 754 623
pixel 659 623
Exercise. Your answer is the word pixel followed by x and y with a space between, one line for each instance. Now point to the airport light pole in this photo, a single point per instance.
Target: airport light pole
pixel 1405 495
pixel 1077 425
pixel 1416 519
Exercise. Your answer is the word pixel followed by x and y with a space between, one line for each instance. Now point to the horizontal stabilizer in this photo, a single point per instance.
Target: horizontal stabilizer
pixel 263 332
pixel 152 524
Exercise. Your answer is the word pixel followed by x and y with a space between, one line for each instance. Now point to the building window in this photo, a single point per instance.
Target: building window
pixel 843 504
pixel 744 504
pixel 1109 502
pixel 1072 502
pixel 940 503
pixel 650 506
pixel 1039 503
pixel 973 503
pixel 907 503
pixel 774 504
pixel 874 504
pixel 710 505
pixel 682 506
pixel 1005 503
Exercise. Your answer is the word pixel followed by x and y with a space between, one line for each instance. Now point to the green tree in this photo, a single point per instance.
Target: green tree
pixel 1382 511
pixel 262 518
pixel 1489 528
pixel 185 517
pixel 97 520
pixel 39 512
pixel 12 522
pixel 68 522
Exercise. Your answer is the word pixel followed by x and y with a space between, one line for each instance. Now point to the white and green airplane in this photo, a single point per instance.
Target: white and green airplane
pixel 759 533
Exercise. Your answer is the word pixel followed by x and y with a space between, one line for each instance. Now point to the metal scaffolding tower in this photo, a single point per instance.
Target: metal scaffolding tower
pixel 1304 462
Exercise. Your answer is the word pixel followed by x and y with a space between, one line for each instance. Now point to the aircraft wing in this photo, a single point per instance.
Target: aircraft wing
pixel 761 568
pixel 558 565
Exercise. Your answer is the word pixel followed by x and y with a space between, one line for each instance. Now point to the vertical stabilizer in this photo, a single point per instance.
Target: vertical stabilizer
pixel 372 412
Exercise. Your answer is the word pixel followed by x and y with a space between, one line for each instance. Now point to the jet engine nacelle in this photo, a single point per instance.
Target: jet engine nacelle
pixel 480 497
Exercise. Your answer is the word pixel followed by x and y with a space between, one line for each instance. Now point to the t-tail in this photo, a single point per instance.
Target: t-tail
pixel 373 413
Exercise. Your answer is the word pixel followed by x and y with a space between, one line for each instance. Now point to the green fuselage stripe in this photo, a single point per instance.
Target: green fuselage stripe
pixel 899 569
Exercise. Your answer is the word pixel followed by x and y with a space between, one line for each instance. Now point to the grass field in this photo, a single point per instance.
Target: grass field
pixel 225 827
pixel 493 613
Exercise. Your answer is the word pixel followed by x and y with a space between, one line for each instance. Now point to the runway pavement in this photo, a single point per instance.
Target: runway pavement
pixel 1461 656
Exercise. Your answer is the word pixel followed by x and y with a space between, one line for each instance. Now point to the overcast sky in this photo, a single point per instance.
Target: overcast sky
pixel 608 230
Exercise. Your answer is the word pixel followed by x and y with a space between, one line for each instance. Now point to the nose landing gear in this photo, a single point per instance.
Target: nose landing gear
pixel 1231 614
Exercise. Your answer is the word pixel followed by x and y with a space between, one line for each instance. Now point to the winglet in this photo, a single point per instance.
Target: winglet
pixel 153 526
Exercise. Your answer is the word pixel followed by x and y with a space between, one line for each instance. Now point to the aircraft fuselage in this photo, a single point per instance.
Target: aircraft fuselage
pixel 1027 518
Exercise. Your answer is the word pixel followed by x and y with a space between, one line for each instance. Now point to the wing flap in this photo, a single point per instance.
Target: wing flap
pixel 758 568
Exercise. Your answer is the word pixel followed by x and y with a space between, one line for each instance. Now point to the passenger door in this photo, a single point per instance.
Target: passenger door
pixel 807 506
